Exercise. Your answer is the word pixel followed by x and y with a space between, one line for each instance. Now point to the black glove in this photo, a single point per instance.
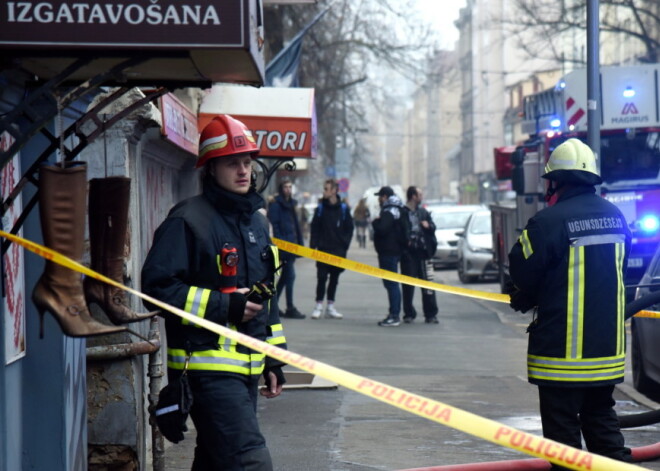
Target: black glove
pixel 236 309
pixel 277 370
pixel 171 412
pixel 521 302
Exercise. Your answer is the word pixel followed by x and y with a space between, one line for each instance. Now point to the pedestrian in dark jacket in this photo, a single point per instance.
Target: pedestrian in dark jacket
pixel 414 258
pixel 206 256
pixel 283 216
pixel 388 241
pixel 331 232
pixel 568 266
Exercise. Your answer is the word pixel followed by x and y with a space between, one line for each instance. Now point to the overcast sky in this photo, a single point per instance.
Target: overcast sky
pixel 442 14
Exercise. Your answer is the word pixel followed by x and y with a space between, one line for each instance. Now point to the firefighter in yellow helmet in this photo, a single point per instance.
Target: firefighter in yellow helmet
pixel 568 268
pixel 207 255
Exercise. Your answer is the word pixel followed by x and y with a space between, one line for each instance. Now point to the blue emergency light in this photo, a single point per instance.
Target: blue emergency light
pixel 629 92
pixel 649 223
pixel 555 123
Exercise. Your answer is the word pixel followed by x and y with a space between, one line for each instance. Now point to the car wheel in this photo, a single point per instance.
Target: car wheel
pixel 641 381
pixel 465 278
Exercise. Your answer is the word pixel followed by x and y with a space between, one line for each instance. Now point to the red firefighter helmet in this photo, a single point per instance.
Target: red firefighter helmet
pixel 225 135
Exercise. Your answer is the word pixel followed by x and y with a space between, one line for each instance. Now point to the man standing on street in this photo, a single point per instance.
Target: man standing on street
pixel 282 215
pixel 415 255
pixel 331 232
pixel 389 239
pixel 569 264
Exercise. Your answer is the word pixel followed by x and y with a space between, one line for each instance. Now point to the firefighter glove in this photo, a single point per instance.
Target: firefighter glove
pixel 171 412
pixel 277 370
pixel 236 308
pixel 521 302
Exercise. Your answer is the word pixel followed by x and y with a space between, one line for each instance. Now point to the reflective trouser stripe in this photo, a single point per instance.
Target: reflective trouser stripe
pixel 196 302
pixel 277 337
pixel 218 360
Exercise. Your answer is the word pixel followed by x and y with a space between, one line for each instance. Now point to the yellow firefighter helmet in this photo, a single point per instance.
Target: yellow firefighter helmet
pixel 573 162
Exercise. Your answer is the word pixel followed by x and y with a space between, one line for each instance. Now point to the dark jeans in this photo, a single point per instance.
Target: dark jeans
pixel 567 411
pixel 326 273
pixel 225 418
pixel 391 263
pixel 416 267
pixel 287 278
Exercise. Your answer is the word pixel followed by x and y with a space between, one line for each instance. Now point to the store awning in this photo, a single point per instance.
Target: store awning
pixel 282 120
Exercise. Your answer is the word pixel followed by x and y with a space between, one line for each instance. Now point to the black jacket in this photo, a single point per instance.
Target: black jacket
pixel 182 269
pixel 570 261
pixel 388 230
pixel 331 228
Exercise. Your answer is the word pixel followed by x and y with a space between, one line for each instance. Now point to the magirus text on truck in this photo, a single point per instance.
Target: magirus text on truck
pixel 629 157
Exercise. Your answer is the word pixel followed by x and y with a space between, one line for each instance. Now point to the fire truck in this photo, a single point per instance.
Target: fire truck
pixel 629 159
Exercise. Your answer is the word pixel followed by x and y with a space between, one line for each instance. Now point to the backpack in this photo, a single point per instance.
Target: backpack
pixel 344 210
pixel 423 243
pixel 405 229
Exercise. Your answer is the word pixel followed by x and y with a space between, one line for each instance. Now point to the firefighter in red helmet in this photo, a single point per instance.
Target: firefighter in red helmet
pixel 207 255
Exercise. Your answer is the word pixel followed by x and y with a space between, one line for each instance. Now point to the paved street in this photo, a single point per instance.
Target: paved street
pixel 474 360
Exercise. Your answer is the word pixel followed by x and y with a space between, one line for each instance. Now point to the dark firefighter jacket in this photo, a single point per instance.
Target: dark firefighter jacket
pixel 183 269
pixel 571 260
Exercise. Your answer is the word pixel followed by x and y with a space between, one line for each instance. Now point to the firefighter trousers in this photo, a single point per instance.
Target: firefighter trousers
pixel 569 413
pixel 225 418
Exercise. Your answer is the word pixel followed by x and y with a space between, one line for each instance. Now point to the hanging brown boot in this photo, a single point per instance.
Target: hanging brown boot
pixel 108 222
pixel 62 198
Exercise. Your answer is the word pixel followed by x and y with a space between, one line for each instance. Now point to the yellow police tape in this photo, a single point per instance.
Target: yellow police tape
pixel 388 275
pixel 424 407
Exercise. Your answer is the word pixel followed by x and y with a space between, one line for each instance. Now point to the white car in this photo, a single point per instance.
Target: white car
pixel 475 248
pixel 448 220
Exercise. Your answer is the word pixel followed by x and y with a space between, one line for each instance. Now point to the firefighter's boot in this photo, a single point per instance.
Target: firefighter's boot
pixel 62 197
pixel 108 222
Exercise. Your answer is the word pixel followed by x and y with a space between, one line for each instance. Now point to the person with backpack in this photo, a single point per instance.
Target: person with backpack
pixel 331 232
pixel 420 248
pixel 390 236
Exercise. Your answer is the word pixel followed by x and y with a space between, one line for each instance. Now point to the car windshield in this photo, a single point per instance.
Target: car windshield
pixel 480 224
pixel 450 219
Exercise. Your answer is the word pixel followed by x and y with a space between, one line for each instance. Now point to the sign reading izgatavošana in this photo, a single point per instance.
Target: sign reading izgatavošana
pixel 123 23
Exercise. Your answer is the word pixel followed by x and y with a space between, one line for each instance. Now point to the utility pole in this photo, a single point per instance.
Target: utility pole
pixel 593 79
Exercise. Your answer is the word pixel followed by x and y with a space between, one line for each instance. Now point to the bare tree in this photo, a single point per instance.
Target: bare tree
pixel 346 58
pixel 541 25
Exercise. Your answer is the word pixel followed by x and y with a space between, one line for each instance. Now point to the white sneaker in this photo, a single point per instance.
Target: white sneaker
pixel 332 313
pixel 316 313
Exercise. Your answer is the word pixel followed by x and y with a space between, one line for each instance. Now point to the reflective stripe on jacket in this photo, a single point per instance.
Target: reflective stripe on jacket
pixel 571 259
pixel 181 269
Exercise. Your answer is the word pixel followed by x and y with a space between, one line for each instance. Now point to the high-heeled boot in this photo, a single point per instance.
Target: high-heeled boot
pixel 108 222
pixel 62 197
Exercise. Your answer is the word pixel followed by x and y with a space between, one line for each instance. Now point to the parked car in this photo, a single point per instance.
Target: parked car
pixel 475 248
pixel 448 220
pixel 645 333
